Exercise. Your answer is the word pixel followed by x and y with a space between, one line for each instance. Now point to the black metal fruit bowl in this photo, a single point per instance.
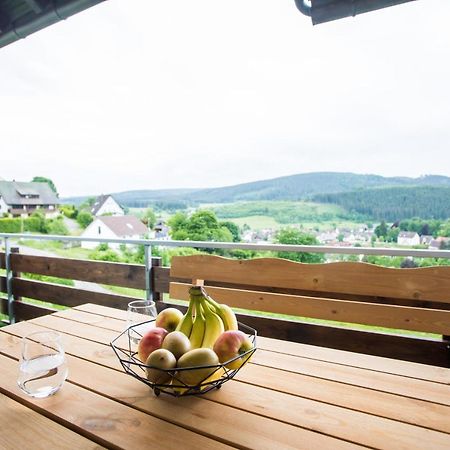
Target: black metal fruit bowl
pixel 126 352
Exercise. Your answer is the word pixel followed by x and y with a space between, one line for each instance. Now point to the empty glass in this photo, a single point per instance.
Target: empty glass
pixel 140 311
pixel 43 367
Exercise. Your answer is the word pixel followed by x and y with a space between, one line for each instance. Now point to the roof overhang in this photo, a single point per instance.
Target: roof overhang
pixel 20 18
pixel 322 11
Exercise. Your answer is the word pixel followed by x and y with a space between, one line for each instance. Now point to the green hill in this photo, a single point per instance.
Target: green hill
pixel 394 203
pixel 305 186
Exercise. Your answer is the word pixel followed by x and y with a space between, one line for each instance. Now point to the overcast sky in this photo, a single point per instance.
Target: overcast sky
pixel 149 94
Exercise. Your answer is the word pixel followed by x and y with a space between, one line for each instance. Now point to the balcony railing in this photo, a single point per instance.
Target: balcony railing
pixel 416 300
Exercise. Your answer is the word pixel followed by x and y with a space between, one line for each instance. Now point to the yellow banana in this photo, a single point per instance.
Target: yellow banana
pixel 185 325
pixel 198 327
pixel 225 312
pixel 213 326
pixel 228 317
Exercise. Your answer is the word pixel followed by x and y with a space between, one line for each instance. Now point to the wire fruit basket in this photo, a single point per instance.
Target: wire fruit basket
pixel 210 377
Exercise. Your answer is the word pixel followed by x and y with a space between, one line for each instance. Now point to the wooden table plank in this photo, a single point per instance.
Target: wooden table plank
pixel 415 388
pixel 380 364
pixel 325 418
pixel 378 403
pixel 101 419
pixel 327 402
pixel 211 419
pixel 42 433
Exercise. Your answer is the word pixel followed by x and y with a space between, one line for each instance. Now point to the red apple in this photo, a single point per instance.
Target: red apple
pixel 151 340
pixel 231 344
pixel 169 319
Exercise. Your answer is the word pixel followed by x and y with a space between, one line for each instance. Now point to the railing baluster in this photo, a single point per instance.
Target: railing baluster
pixel 9 276
pixel 148 272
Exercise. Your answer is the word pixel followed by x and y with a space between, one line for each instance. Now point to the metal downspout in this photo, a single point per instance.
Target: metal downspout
pixel 304 6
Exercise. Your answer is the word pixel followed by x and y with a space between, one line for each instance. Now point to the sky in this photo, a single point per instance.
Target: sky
pixel 146 94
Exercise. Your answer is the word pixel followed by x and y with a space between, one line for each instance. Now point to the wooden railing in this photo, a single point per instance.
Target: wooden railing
pixel 406 299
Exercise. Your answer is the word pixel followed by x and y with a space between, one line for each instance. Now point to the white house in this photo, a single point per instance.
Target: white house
pixel 408 238
pixel 106 205
pixel 113 227
pixel 20 199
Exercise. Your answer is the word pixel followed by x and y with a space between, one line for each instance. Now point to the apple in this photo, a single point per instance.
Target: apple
pixel 177 343
pixel 160 359
pixel 231 344
pixel 169 319
pixel 152 340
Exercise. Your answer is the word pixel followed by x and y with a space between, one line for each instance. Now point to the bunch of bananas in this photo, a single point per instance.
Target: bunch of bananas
pixel 205 319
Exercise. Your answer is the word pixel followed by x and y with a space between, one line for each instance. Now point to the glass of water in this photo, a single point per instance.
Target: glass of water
pixel 43 367
pixel 140 311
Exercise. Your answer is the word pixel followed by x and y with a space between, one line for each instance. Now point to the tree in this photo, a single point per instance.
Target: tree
pixel 200 226
pixel 57 227
pixel 233 229
pixel 84 218
pixel 149 217
pixel 45 180
pixel 296 237
pixel 381 230
pixel 392 235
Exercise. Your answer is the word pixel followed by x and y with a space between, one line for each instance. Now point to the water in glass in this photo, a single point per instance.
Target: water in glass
pixel 43 366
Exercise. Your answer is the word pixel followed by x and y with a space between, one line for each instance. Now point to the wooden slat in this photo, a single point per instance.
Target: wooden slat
pixel 103 420
pixel 215 420
pixel 435 392
pixel 42 433
pixel 118 274
pixel 429 283
pixel 2 260
pixel 425 351
pixel 66 295
pixel 389 316
pixel 2 283
pixel 378 364
pixel 25 311
pixel 362 399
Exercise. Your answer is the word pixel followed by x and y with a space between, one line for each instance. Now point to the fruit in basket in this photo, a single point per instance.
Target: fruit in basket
pixel 198 326
pixel 160 359
pixel 213 327
pixel 169 319
pixel 152 340
pixel 185 325
pixel 224 312
pixel 177 343
pixel 197 358
pixel 231 344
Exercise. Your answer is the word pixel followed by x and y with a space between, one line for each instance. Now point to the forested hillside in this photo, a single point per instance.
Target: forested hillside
pixel 394 203
pixel 302 186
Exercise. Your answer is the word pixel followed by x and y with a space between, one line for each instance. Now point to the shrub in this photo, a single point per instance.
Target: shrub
pixel 8 225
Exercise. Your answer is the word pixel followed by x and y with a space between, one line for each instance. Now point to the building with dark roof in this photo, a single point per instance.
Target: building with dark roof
pixel 106 205
pixel 22 198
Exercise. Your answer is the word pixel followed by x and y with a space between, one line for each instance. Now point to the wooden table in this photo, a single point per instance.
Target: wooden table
pixel 290 396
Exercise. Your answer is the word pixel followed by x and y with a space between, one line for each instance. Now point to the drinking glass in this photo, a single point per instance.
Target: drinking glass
pixel 43 367
pixel 140 311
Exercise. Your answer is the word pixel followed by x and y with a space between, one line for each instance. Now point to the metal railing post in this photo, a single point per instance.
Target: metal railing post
pixel 9 276
pixel 148 272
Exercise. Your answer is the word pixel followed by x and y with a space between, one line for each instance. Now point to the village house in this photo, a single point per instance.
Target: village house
pixel 114 227
pixel 20 199
pixel 426 239
pixel 106 205
pixel 408 238
pixel 161 230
